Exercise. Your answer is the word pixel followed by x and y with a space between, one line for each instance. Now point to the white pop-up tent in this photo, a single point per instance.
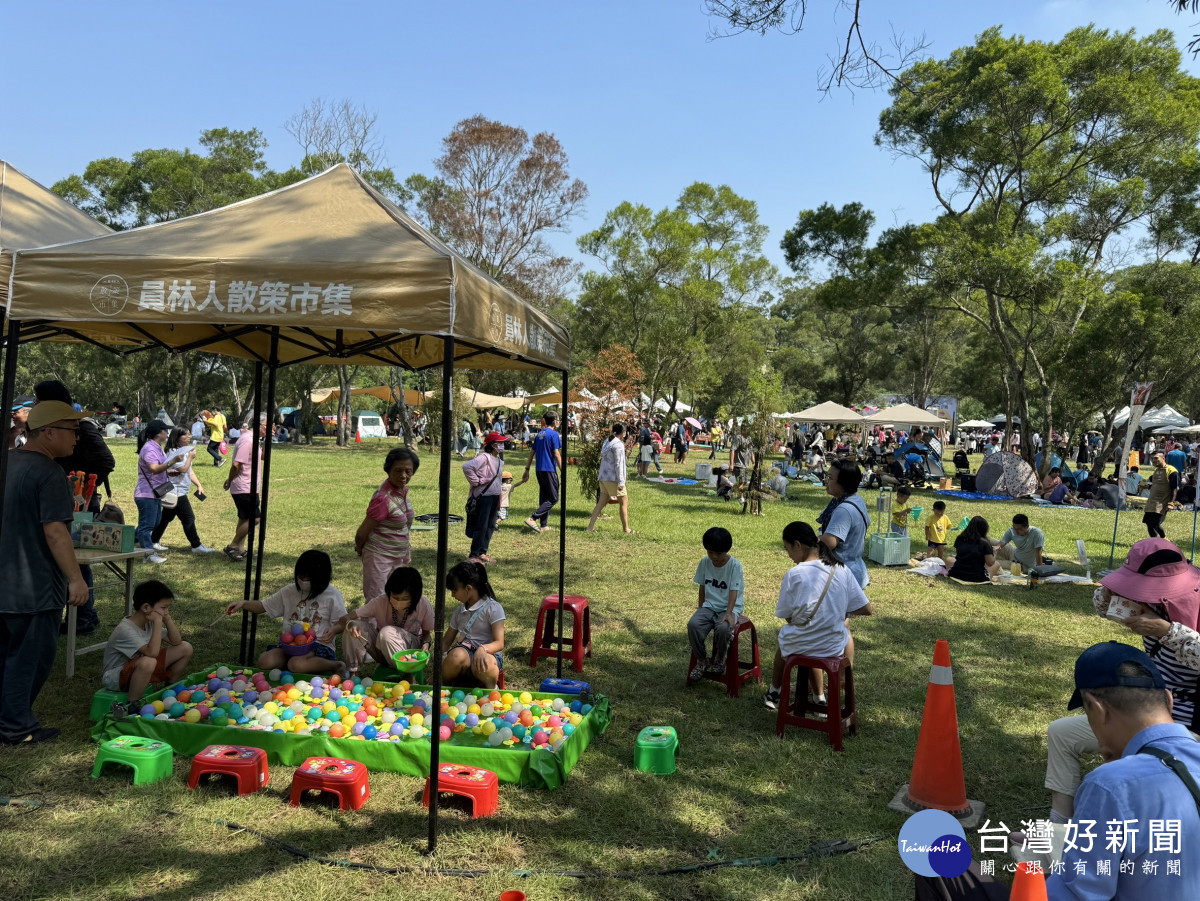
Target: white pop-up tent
pixel 906 414
pixel 834 414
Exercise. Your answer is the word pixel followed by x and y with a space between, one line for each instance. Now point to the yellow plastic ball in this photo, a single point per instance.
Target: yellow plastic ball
pixel 474 708
pixel 158 707
pixel 328 706
pixel 416 720
pixel 293 694
pixel 506 700
pixel 271 707
pixel 343 710
pixel 192 716
pixel 526 698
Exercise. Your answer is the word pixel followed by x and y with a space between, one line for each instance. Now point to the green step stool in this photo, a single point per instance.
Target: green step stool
pixel 150 760
pixel 103 700
pixel 657 748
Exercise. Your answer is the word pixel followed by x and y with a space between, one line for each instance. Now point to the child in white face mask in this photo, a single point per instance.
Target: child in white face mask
pixel 309 599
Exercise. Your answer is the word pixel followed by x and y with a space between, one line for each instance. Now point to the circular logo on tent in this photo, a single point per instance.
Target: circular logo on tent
pixel 496 324
pixel 932 843
pixel 109 295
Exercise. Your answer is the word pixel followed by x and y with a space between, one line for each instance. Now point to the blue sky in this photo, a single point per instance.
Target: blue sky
pixel 643 103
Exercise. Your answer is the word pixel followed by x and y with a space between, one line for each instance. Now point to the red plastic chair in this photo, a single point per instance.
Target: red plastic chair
pixel 737 671
pixel 545 640
pixel 247 765
pixel 795 713
pixel 482 787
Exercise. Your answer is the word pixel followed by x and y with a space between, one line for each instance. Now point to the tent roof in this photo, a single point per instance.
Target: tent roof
pixel 975 424
pixel 554 398
pixel 1166 415
pixel 827 412
pixel 31 216
pixel 383 392
pixel 906 414
pixel 341 272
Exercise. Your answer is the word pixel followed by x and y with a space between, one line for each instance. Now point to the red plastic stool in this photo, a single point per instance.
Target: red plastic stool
pixel 481 786
pixel 345 778
pixel 545 638
pixel 833 726
pixel 247 765
pixel 737 670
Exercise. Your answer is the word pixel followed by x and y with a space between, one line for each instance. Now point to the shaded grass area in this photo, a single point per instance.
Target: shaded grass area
pixel 739 791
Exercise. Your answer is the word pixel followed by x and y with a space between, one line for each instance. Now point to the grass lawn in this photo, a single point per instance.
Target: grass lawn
pixel 739 792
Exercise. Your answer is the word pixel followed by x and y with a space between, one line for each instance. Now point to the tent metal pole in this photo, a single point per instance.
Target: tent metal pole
pixel 272 370
pixel 244 659
pixel 439 610
pixel 562 529
pixel 6 401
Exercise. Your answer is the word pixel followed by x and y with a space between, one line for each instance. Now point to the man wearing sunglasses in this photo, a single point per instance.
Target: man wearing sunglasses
pixel 37 567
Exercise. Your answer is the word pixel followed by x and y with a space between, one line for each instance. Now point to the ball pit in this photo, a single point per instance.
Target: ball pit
pixel 363 710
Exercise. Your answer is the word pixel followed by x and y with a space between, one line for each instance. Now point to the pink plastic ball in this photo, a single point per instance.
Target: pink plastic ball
pixel 444 733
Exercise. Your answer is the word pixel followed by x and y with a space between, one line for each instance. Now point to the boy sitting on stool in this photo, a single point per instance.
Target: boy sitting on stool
pixel 721 586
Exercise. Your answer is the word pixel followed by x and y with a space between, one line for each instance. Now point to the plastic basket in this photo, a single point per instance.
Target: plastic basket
pixel 414 664
pixel 297 650
pixel 889 550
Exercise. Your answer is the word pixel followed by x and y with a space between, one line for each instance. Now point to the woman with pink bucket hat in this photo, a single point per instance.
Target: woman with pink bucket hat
pixel 1156 593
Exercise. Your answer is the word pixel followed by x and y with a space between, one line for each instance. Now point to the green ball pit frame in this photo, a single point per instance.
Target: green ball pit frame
pixel 526 768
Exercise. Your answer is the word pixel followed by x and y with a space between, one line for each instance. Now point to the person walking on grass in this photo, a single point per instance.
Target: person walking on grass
pixel 612 479
pixel 237 483
pixel 484 472
pixel 216 436
pixel 547 456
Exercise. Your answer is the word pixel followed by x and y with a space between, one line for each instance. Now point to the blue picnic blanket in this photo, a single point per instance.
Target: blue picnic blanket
pixel 975 496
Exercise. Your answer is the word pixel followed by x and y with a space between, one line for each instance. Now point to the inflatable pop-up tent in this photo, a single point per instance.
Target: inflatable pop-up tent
pixel 1006 473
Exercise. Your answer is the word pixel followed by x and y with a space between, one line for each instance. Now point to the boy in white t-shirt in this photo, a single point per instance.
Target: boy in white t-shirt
pixel 721 588
pixel 145 647
pixel 816 596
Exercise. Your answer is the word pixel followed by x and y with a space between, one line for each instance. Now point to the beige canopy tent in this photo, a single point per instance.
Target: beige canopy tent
pixel 906 414
pixel 337 270
pixel 834 414
pixel 481 401
pixel 324 271
pixel 554 398
pixel 383 392
pixel 33 216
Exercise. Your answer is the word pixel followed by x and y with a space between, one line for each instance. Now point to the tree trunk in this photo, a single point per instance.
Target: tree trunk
pixel 345 384
pixel 396 375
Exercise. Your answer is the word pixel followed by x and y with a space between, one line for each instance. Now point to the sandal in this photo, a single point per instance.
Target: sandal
pixel 234 554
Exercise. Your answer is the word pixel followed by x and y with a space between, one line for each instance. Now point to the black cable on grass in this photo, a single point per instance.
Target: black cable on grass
pixel 21 800
pixel 823 849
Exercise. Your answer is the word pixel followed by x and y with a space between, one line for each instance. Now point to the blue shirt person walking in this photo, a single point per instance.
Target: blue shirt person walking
pixel 547 455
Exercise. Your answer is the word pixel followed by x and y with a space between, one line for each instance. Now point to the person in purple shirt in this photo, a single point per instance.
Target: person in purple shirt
pixel 152 482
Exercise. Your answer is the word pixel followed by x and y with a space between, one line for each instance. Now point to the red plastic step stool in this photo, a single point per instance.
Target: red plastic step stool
pixel 247 765
pixel 345 778
pixel 545 638
pixel 737 670
pixel 480 786
pixel 794 714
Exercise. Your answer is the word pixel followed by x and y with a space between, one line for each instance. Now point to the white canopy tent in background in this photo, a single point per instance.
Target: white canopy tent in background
pixel 834 414
pixel 1178 430
pixel 975 424
pixel 907 414
pixel 1154 418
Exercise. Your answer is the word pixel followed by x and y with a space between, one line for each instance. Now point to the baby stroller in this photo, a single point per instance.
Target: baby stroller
pixel 916 475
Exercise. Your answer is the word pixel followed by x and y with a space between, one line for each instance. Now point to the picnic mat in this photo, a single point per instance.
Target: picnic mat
pixel 667 481
pixel 974 495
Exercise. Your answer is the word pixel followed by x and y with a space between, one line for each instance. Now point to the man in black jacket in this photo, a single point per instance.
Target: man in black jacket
pixel 91 456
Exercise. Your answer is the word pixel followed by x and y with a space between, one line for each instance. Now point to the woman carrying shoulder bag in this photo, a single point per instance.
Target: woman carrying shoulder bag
pixel 152 484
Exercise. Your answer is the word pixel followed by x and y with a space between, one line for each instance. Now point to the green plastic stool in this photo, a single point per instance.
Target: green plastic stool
pixel 150 760
pixel 657 747
pixel 103 700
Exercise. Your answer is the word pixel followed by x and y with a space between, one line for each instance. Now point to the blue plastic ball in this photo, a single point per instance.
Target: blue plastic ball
pixel 286 678
pixel 148 711
pixel 177 709
pixel 333 716
pixel 369 732
pixel 575 706
pixel 586 709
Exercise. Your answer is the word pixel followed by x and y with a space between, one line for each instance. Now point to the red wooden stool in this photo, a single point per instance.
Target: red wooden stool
pixel 833 726
pixel 545 638
pixel 737 670
pixel 481 786
pixel 345 778
pixel 247 765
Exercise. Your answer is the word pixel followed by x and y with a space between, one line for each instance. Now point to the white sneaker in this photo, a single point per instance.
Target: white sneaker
pixel 159 546
pixel 155 558
pixel 202 549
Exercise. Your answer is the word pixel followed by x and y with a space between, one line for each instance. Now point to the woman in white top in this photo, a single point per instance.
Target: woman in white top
pixel 612 478
pixel 181 456
pixel 816 597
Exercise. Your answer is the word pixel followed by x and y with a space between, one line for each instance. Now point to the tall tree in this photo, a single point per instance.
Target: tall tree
pixel 1042 156
pixel 497 195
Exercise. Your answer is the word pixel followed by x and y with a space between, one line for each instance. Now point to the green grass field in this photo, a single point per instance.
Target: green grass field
pixel 739 792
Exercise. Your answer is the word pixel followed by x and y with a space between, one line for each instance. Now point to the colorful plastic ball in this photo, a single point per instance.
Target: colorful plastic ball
pixel 472 720
pixel 417 719
pixel 214 683
pixel 335 694
pixel 191 716
pixel 495 739
pixel 585 709
pixel 337 730
pixel 223 672
pixel 511 717
pixel 177 710
pixel 416 731
pixel 445 732
pixel 535 710
pixel 526 698
pixel 357 729
pixel 286 638
pixel 396 729
pixel 287 714
pixel 576 706
pixel 250 696
pixel 458 695
pixel 519 731
pixel 163 716
pixel 553 722
pixel 287 678
pixel 148 710
pixel 333 716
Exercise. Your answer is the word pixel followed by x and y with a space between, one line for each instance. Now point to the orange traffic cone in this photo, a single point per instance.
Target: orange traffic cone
pixel 1029 884
pixel 937 776
pixel 358 436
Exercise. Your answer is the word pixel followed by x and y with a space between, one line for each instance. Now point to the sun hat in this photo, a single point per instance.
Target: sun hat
pixel 48 412
pixel 1097 668
pixel 493 438
pixel 1156 572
